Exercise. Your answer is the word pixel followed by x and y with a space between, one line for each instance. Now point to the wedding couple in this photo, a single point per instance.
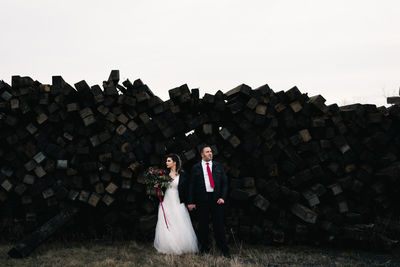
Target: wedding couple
pixel 204 191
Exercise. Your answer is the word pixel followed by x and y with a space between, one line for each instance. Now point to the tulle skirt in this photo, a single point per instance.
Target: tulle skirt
pixel 179 237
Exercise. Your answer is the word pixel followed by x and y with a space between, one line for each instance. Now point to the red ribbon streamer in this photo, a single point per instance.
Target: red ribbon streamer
pixel 159 195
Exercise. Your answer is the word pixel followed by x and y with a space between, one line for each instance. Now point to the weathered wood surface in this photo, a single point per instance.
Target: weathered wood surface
pixel 295 165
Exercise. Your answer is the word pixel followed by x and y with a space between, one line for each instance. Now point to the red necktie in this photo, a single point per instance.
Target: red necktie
pixel 210 175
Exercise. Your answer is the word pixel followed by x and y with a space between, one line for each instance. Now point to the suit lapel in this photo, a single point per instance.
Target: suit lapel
pixel 214 167
pixel 213 170
pixel 200 166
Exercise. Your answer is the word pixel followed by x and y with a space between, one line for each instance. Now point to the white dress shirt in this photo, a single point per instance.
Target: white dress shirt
pixel 206 179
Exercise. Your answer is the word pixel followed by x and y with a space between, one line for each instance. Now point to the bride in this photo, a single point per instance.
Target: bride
pixel 174 232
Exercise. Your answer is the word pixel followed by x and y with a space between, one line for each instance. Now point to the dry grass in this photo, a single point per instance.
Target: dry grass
pixel 143 254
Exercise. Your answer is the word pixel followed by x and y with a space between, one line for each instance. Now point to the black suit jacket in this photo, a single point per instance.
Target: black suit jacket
pixel 182 187
pixel 197 187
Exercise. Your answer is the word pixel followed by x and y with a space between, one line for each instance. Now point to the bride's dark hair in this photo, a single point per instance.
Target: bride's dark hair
pixel 176 159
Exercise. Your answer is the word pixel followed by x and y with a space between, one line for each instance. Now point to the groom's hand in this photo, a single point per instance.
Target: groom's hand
pixel 220 201
pixel 191 207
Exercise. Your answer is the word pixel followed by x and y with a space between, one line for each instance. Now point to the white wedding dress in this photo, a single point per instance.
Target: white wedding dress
pixel 179 237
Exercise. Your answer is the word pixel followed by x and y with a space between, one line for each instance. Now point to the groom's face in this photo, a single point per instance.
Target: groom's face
pixel 206 155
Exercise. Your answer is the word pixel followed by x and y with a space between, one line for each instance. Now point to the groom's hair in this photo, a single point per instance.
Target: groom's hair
pixel 204 146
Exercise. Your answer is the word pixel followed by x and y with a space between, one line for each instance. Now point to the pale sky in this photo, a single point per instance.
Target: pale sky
pixel 347 51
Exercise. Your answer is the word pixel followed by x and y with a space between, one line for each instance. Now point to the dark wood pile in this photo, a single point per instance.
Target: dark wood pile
pixel 298 170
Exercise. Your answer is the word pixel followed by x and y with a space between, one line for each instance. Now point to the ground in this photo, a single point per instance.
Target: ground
pixel 105 253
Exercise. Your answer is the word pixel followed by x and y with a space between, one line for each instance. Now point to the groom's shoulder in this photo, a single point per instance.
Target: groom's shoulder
pixel 196 165
pixel 216 163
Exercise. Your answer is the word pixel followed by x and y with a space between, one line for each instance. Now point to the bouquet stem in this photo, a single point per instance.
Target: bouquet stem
pixel 159 196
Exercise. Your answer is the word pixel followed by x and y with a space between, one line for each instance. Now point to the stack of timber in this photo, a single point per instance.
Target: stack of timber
pixel 299 170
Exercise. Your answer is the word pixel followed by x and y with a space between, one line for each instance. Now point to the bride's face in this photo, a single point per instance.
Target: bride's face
pixel 170 163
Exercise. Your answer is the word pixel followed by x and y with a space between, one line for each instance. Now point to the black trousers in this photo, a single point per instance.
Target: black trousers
pixel 205 210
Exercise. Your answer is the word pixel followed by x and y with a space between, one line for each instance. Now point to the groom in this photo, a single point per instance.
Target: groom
pixel 208 188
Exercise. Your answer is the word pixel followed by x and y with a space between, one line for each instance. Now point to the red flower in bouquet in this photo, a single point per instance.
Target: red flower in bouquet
pixel 157 178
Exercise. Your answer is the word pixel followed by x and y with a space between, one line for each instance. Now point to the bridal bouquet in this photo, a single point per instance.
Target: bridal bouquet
pixel 157 178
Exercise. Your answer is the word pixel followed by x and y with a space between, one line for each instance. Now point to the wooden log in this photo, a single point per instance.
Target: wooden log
pixel 279 107
pixel 49 192
pixel 304 213
pixel 41 118
pixel 114 77
pixel 28 244
pixel 278 236
pixel 242 89
pixel 318 189
pixel 305 135
pixel 342 205
pixel 6 185
pixel 30 165
pixel 32 129
pixel 341 144
pixel 263 90
pixel 110 88
pixel 73 195
pixel 97 94
pixel 39 171
pixel 225 133
pixel 189 155
pixel 392 171
pixel 59 86
pixel 107 199
pixel 261 203
pixel 26 200
pixel 235 141
pixel 296 106
pixel 261 109
pixel 82 87
pixel 111 188
pixel 312 198
pixel 252 103
pixel 21 82
pixel 94 199
pixel 293 93
pixel 235 107
pixel 318 102
pixel 393 100
pixel 207 128
pixel 178 91
pixel 126 184
pixel 14 103
pixel 84 196
pixel 248 182
pixel 239 194
pixel 95 140
pixel 296 139
pixel 6 95
pixel 29 179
